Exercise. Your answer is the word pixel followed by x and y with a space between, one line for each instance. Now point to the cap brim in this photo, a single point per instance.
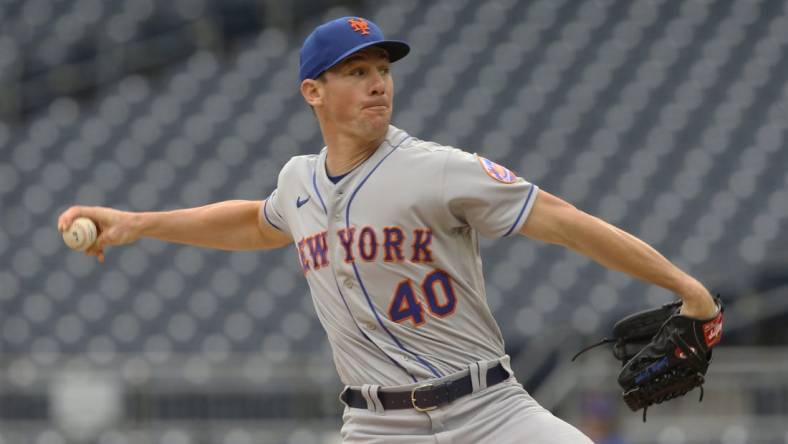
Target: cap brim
pixel 395 48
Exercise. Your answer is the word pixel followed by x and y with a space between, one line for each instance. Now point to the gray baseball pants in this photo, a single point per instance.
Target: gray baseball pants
pixel 502 414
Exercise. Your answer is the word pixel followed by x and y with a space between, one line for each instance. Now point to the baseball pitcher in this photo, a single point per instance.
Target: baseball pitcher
pixel 386 229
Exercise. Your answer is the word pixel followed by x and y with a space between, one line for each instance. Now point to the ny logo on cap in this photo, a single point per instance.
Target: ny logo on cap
pixel 359 25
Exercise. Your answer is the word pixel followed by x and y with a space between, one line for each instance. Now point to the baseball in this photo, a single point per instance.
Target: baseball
pixel 81 234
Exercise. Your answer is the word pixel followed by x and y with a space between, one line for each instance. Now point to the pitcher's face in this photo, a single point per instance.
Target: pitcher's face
pixel 356 95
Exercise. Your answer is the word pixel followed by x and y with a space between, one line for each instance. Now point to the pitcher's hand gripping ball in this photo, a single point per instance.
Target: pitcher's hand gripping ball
pixel 664 353
pixel 81 234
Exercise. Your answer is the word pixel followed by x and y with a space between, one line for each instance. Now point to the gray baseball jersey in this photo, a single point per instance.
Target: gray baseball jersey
pixel 391 255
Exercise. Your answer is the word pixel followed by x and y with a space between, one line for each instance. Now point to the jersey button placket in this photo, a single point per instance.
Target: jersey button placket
pixel 337 200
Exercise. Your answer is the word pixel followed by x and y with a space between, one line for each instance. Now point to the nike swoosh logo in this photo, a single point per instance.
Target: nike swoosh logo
pixel 300 203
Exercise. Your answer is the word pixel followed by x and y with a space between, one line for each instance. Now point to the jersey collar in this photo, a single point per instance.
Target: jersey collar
pixel 394 136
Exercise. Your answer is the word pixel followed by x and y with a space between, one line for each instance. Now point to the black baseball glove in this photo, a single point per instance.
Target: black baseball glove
pixel 665 354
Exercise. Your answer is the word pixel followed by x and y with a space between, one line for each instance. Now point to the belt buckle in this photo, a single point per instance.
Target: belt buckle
pixel 413 397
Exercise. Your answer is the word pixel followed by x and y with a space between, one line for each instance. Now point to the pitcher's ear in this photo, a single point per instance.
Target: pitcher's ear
pixel 312 91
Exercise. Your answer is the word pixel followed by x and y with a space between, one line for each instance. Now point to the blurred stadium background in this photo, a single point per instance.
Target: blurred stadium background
pixel 665 117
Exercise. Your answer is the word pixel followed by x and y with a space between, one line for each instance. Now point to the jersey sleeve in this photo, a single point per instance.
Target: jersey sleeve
pixel 272 209
pixel 272 214
pixel 486 196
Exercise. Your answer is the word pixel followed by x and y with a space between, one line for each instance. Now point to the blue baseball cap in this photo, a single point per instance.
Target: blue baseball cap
pixel 331 42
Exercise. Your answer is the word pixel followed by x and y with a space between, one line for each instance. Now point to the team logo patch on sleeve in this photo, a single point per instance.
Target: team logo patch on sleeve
pixel 497 172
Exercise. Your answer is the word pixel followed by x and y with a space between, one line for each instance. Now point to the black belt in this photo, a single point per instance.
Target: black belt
pixel 427 396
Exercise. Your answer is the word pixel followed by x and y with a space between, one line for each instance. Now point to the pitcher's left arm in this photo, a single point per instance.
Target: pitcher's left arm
pixel 555 221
